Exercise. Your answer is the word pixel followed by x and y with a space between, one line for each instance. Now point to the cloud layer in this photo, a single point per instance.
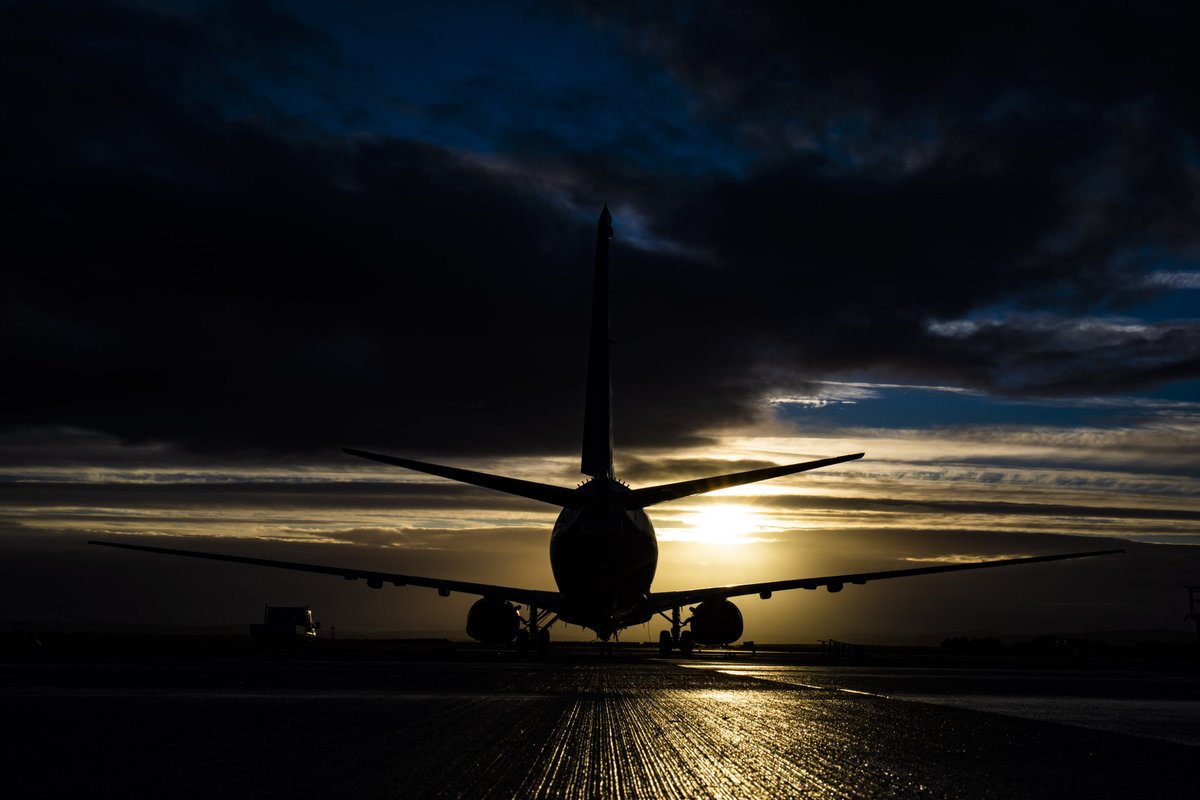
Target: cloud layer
pixel 195 260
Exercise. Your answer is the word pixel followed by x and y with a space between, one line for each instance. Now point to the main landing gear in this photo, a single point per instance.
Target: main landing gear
pixel 675 639
pixel 536 632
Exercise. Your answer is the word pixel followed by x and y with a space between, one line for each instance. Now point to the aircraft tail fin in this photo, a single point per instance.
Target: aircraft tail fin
pixel 597 416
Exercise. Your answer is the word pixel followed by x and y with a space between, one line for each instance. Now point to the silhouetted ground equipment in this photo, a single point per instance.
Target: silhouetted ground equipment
pixel 842 651
pixel 285 625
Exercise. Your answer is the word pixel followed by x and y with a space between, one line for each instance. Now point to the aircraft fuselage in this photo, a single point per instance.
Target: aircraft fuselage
pixel 603 556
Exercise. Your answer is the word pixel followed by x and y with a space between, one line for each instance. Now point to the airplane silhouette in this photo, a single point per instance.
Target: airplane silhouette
pixel 603 550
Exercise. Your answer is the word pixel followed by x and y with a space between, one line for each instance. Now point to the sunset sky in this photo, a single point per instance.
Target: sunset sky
pixel 959 237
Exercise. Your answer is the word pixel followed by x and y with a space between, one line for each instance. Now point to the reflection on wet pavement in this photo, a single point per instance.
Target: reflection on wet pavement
pixel 1117 702
pixel 571 728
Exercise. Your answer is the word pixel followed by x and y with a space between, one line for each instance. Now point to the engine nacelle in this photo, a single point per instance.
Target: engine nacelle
pixel 493 621
pixel 716 622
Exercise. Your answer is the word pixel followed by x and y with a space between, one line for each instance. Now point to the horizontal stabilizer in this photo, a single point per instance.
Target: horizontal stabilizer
pixel 652 495
pixel 544 492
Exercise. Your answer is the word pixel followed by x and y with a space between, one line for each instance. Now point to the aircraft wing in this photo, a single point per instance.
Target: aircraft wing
pixel 535 597
pixel 662 601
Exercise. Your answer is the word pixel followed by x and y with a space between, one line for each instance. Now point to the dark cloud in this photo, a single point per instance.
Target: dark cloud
pixel 191 261
pixel 218 283
pixel 224 285
pixel 242 494
pixel 933 161
pixel 1064 356
pixel 783 62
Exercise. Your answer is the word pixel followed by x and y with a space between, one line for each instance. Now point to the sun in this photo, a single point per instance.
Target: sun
pixel 721 524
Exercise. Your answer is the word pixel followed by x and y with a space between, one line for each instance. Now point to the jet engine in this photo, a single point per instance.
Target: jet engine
pixel 493 621
pixel 716 622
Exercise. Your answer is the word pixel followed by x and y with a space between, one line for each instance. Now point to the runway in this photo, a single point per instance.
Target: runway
pixel 493 725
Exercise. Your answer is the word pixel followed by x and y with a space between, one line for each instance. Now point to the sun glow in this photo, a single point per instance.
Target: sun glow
pixel 720 524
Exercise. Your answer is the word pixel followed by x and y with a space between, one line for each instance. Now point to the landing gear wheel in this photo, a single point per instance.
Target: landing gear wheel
pixel 522 641
pixel 664 644
pixel 685 644
pixel 541 640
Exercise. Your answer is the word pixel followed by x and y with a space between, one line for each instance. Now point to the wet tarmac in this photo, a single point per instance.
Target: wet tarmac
pixel 493 725
pixel 1161 705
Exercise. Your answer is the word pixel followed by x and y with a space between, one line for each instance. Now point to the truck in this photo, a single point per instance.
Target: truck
pixel 285 625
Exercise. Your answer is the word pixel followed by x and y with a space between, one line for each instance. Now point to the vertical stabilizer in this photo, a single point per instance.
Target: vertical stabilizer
pixel 597 414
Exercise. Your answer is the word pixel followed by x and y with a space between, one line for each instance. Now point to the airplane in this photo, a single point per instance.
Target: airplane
pixel 603 549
